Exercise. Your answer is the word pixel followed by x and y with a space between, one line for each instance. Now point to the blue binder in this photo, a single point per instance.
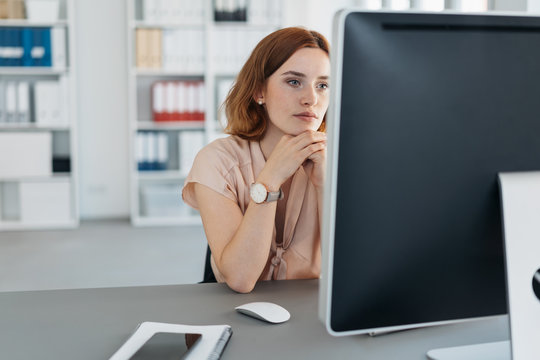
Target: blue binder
pixel 46 36
pixel 3 37
pixel 17 47
pixel 10 44
pixel 41 47
pixel 26 35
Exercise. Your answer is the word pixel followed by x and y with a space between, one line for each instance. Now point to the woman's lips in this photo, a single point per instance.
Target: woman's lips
pixel 306 116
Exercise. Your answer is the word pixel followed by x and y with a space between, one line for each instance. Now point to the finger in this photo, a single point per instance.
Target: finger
pixel 317 156
pixel 306 139
pixel 313 148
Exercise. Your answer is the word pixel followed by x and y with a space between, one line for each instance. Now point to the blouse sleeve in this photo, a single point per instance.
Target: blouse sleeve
pixel 211 168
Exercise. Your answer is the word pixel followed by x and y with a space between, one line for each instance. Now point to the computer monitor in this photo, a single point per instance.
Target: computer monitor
pixel 426 110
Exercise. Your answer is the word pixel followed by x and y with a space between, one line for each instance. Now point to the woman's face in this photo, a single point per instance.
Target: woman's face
pixel 296 95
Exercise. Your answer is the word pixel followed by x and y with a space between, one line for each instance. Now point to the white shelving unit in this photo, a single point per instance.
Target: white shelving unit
pixel 156 194
pixel 40 199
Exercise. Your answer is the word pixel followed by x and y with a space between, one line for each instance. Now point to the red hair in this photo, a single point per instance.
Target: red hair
pixel 247 119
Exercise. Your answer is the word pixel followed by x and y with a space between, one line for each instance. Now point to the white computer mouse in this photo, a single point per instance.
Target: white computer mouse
pixel 266 311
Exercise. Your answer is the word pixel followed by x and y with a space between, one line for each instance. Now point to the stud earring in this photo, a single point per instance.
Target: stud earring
pixel 260 102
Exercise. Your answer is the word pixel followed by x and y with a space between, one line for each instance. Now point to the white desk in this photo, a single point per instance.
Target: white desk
pixel 93 323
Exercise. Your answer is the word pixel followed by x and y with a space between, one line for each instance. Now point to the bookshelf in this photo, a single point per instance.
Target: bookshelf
pixel 38 155
pixel 195 45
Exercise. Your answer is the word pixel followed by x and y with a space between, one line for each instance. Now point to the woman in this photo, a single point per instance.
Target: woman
pixel 259 191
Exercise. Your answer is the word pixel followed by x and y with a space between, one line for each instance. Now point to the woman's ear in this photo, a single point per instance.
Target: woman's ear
pixel 258 97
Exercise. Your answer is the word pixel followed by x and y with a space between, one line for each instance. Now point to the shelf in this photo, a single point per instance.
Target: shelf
pixel 31 70
pixel 166 221
pixel 32 127
pixel 170 125
pixel 45 98
pixel 144 24
pixel 223 47
pixel 30 23
pixel 18 225
pixel 164 72
pixel 245 26
pixel 226 74
pixel 51 178
pixel 159 175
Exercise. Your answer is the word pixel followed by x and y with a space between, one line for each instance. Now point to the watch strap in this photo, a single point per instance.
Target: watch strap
pixel 274 195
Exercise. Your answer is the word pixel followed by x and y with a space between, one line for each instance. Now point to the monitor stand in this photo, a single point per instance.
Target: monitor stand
pixel 488 351
pixel 520 199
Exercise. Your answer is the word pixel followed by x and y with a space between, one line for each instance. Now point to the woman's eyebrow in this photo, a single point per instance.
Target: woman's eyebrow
pixel 299 74
pixel 295 73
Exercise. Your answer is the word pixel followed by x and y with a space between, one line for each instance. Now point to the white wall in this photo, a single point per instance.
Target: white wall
pixel 313 14
pixel 102 108
pixel 533 6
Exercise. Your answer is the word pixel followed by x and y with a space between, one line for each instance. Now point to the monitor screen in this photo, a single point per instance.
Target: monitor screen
pixel 426 110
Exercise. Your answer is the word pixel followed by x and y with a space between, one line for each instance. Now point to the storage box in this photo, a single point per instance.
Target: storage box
pixel 25 154
pixel 45 202
pixel 9 201
pixel 42 10
pixel 163 200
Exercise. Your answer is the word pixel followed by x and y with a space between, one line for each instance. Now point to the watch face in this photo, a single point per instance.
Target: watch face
pixel 258 193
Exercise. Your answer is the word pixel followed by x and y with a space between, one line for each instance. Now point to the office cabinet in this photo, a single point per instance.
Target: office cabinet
pixel 183 56
pixel 37 116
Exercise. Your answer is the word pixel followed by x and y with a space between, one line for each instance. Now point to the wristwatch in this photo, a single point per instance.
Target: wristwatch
pixel 259 193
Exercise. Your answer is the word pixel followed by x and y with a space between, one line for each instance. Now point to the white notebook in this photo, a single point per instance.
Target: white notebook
pixel 155 340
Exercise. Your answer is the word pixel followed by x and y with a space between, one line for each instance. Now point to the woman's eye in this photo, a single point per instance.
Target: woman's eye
pixel 323 86
pixel 294 82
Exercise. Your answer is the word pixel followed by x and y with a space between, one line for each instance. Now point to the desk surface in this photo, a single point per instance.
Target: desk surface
pixel 93 323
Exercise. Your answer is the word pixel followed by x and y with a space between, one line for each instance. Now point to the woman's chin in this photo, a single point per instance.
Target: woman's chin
pixel 298 131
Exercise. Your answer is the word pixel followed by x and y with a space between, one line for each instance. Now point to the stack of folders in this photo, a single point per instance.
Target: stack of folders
pixel 183 50
pixel 35 46
pixel 12 9
pixel 190 143
pixel 230 10
pixel 173 11
pixel 148 48
pixel 264 12
pixel 42 102
pixel 14 102
pixel 152 151
pixel 170 49
pixel 258 12
pixel 233 46
pixel 178 101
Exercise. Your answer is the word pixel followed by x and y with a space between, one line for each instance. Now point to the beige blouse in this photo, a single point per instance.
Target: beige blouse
pixel 229 166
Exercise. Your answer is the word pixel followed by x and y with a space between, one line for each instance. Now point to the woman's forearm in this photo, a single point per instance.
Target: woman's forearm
pixel 243 259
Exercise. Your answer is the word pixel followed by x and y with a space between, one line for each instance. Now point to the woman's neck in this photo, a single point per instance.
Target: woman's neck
pixel 270 139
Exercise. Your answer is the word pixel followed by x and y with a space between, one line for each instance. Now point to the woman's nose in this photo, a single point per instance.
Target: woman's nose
pixel 309 97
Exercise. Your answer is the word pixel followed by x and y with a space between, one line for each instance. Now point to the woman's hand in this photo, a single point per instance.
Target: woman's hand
pixel 315 168
pixel 290 153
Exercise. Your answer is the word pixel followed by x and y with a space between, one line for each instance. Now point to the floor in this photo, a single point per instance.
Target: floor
pixel 108 253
